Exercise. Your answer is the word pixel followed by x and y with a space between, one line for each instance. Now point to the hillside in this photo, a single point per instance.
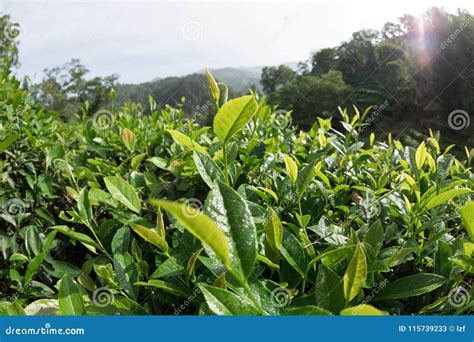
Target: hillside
pixel 193 87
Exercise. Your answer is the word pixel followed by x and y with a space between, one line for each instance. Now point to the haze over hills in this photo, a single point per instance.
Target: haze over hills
pixel 240 79
pixel 194 87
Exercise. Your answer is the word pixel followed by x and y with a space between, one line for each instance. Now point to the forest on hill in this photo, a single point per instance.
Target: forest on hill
pixel 418 70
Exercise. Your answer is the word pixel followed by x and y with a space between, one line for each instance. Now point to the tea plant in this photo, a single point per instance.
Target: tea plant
pixel 127 213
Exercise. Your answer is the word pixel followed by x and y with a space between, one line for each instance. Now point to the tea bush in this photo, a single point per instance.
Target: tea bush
pixel 127 213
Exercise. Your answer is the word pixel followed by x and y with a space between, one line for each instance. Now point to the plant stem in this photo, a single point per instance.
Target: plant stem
pixel 226 171
pixel 252 297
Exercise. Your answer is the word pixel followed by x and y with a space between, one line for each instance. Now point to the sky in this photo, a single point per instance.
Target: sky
pixel 142 40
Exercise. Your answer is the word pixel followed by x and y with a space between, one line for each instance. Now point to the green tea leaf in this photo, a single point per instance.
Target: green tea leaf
pixel 8 141
pixel 207 168
pixel 233 116
pixel 166 286
pixel 185 141
pixel 267 261
pixel 467 216
pixel 375 236
pixel 329 291
pixel 305 177
pixel 135 162
pixel 151 236
pixel 293 252
pixel 191 263
pixel 99 196
pixel 273 230
pixel 223 302
pixel 444 197
pixel 410 286
pixel 201 226
pixel 83 238
pixel 442 264
pixel 127 273
pixel 70 299
pixel 291 168
pixel 84 206
pixel 121 241
pixel 35 263
pixel 356 274
pixel 129 138
pixel 215 92
pixel 231 212
pixel 420 155
pixel 123 192
pixel 363 310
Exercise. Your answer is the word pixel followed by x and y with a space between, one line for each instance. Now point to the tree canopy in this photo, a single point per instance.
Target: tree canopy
pixel 423 67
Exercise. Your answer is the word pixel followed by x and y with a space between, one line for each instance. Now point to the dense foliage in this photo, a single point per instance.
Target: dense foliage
pixel 130 213
pixel 422 67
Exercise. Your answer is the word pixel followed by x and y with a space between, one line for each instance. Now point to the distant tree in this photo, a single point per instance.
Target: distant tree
pixel 310 96
pixel 303 68
pixel 356 58
pixel 394 74
pixel 64 89
pixel 324 60
pixel 275 77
